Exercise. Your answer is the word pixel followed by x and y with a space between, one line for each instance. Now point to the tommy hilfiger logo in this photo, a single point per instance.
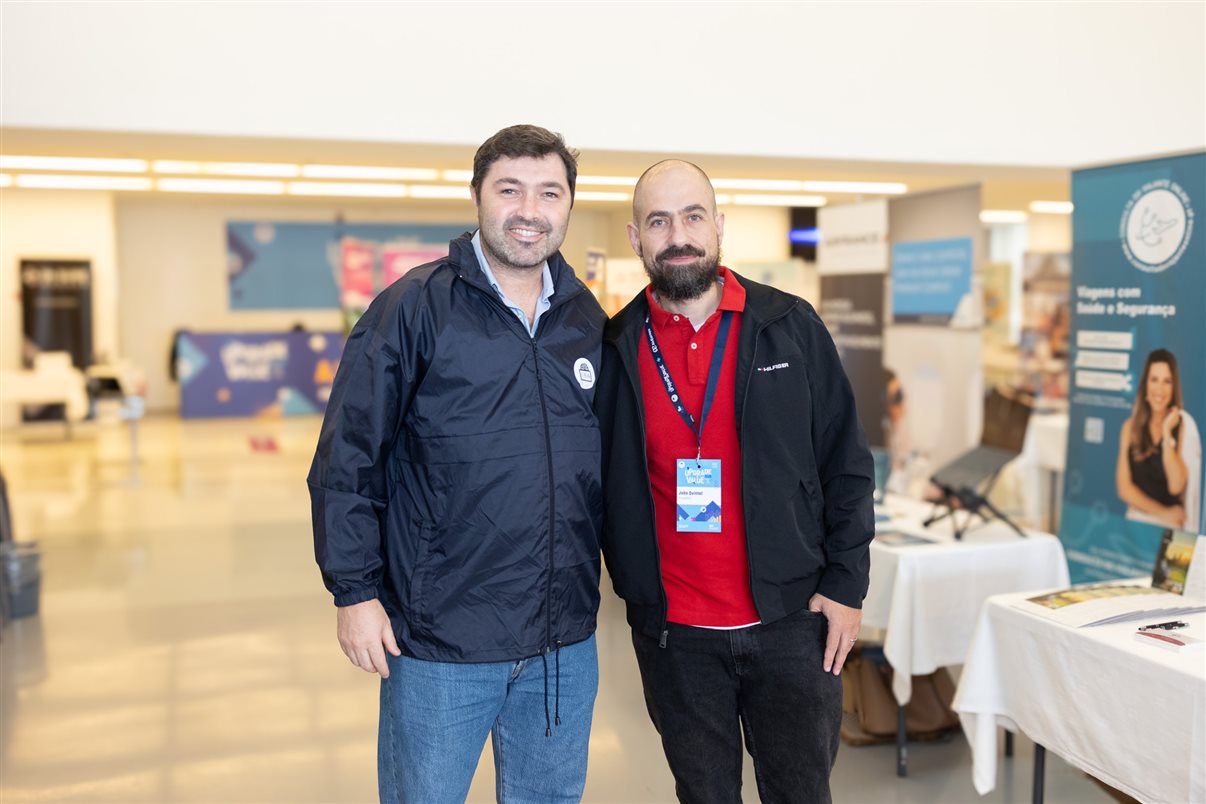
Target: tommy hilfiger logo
pixel 775 367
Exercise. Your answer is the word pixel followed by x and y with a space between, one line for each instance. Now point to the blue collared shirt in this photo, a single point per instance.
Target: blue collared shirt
pixel 546 290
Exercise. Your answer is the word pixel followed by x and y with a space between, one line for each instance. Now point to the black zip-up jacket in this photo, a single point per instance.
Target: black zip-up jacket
pixel 457 472
pixel 806 472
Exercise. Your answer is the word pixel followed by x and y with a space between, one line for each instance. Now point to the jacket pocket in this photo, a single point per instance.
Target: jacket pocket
pixel 421 577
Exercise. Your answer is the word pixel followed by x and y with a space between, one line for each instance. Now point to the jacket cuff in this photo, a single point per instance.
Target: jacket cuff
pixel 355 596
pixel 839 587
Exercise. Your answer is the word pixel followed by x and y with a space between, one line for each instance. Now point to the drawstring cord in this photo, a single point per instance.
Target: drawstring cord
pixel 544 657
pixel 557 699
pixel 548 729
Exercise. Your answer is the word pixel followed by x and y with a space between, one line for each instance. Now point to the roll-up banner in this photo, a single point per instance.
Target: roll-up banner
pixel 852 259
pixel 1138 364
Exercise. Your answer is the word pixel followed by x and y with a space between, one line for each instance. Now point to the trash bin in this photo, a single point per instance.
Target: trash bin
pixel 21 564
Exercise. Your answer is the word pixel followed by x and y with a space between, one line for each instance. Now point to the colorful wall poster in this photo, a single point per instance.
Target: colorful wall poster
pixel 398 258
pixel 297 265
pixel 931 280
pixel 356 283
pixel 1046 323
pixel 595 271
pixel 256 373
pixel 1138 364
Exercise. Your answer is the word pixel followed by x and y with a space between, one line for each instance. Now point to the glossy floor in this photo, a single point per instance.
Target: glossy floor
pixel 185 647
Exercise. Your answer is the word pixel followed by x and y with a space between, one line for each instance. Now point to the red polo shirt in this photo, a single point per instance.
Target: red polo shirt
pixel 706 575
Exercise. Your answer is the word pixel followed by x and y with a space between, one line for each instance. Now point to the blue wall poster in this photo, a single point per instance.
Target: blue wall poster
pixel 256 373
pixel 289 266
pixel 1137 396
pixel 930 279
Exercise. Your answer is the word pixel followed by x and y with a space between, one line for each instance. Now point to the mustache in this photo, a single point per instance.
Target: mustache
pixel 670 252
pixel 516 221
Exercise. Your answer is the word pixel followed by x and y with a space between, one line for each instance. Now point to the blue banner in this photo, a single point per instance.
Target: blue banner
pixel 256 373
pixel 289 266
pixel 929 279
pixel 1138 364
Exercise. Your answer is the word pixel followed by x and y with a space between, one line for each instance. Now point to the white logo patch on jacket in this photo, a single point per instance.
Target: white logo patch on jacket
pixel 584 373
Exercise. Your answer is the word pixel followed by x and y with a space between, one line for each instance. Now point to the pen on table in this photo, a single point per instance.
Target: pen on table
pixel 1171 625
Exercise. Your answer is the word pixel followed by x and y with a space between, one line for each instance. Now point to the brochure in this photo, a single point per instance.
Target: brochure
pixel 1178 587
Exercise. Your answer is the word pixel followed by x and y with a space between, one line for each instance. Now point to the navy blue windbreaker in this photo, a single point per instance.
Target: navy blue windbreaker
pixel 457 472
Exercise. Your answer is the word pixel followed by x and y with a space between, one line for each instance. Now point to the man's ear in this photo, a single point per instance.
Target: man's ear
pixel 719 228
pixel 473 195
pixel 634 238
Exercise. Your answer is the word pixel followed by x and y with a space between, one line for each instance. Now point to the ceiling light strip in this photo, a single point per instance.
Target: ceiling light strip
pixel 228 186
pixel 869 187
pixel 48 181
pixel 73 163
pixel 369 172
pixel 1051 207
pixel 348 189
pixel 759 200
pixel 1002 216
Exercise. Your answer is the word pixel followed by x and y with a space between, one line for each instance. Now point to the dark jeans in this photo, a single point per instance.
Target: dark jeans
pixel 707 687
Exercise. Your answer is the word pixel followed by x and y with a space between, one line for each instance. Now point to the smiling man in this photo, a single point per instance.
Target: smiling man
pixel 456 495
pixel 738 513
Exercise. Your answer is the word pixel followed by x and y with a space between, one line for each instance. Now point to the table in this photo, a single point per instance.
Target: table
pixel 1131 715
pixel 53 381
pixel 927 597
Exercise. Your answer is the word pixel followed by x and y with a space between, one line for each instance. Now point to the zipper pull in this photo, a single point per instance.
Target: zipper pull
pixel 662 642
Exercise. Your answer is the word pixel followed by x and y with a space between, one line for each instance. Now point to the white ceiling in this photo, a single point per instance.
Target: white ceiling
pixel 1051 85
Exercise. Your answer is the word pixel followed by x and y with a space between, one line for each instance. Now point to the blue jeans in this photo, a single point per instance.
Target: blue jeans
pixel 435 717
pixel 707 689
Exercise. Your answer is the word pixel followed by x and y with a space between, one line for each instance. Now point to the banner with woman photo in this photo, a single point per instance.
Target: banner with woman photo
pixel 1137 362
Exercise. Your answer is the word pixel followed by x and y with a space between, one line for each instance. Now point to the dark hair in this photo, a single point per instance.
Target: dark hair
pixel 1141 438
pixel 515 142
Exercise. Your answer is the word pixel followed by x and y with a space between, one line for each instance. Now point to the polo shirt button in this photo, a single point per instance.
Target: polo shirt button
pixel 675 318
pixel 695 346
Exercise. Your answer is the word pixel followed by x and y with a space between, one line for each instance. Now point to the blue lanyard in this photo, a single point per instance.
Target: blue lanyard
pixel 722 339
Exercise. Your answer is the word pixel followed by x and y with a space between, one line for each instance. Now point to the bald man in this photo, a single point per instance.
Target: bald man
pixel 737 505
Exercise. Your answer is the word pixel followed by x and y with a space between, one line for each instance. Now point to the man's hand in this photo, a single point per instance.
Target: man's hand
pixel 844 623
pixel 363 630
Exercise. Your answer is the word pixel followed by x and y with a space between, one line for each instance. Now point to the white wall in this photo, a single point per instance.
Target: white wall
pixel 1045 84
pixel 36 223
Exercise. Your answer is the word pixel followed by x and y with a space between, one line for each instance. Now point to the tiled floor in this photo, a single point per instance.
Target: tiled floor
pixel 185 648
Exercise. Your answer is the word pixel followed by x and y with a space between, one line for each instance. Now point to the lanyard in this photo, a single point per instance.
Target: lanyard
pixel 722 338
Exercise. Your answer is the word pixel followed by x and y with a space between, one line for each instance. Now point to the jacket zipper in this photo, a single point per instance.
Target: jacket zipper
pixel 745 397
pixel 548 454
pixel 548 440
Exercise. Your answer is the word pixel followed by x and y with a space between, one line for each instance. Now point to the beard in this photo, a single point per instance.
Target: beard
pixel 678 283
pixel 517 255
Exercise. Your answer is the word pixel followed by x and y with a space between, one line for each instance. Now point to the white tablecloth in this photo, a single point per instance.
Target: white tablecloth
pixel 66 387
pixel 927 597
pixel 1131 715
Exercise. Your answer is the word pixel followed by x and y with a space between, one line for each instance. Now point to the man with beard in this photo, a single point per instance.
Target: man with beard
pixel 456 495
pixel 738 505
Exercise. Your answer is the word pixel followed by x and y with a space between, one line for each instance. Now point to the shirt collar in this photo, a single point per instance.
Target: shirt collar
pixel 546 289
pixel 732 298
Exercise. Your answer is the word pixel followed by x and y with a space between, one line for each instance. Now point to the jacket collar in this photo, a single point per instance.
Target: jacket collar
pixel 762 305
pixel 464 259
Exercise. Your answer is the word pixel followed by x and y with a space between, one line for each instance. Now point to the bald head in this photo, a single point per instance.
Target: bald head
pixel 670 171
pixel 676 230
